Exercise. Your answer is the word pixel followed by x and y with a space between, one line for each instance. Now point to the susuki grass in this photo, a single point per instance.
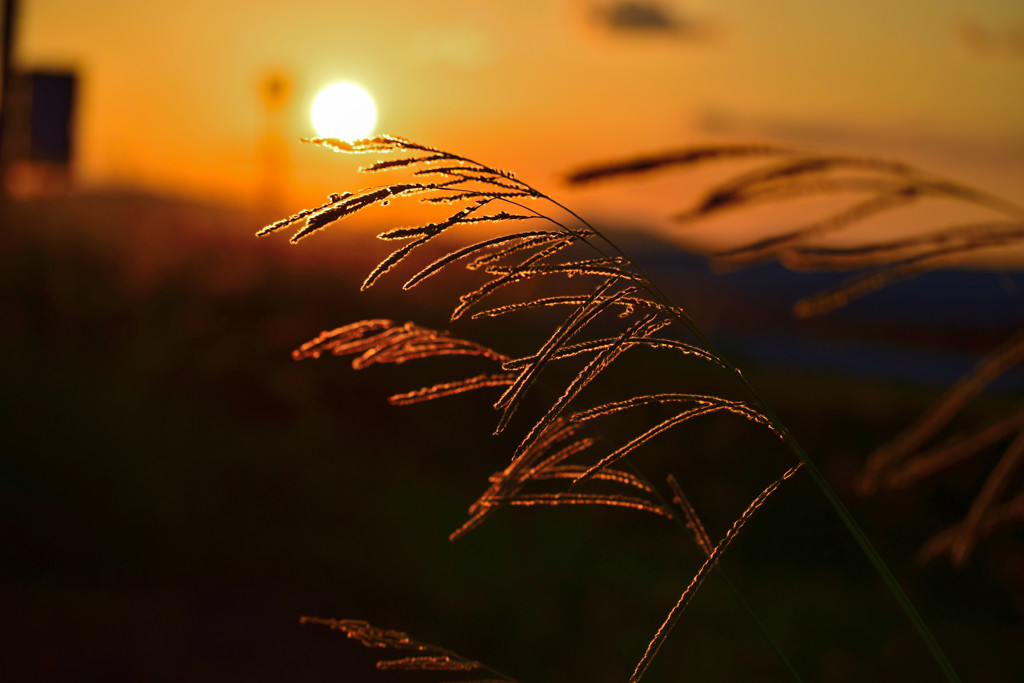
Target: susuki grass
pixel 532 254
pixel 877 187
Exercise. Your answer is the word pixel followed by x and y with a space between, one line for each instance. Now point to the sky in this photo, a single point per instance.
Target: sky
pixel 170 95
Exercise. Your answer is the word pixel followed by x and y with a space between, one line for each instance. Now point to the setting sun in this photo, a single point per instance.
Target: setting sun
pixel 345 111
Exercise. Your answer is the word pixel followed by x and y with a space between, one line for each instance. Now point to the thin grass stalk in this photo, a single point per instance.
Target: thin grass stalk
pixel 862 285
pixel 765 248
pixel 965 237
pixel 944 457
pixel 701 575
pixel 995 517
pixel 434 658
pixel 642 280
pixel 704 542
pixel 693 522
pixel 943 410
pixel 993 488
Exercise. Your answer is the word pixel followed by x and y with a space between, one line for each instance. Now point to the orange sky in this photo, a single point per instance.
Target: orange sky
pixel 170 100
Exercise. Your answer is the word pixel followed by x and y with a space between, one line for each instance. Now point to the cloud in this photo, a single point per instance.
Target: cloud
pixel 641 17
pixel 984 41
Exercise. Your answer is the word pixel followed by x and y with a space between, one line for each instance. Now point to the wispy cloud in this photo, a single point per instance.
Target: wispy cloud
pixel 640 17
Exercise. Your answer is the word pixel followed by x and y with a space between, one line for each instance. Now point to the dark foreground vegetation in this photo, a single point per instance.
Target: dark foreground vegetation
pixel 176 491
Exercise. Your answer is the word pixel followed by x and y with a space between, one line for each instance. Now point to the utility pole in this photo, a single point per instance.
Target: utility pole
pixel 10 18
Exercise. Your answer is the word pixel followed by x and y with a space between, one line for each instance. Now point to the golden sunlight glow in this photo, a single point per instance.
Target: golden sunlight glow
pixel 345 111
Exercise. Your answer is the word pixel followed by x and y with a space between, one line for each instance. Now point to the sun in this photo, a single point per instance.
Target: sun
pixel 345 111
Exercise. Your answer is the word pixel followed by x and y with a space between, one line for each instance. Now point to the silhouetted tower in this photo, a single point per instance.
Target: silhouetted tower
pixel 37 117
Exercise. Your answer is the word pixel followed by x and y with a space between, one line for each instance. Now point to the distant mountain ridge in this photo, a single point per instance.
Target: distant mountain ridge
pixel 931 328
